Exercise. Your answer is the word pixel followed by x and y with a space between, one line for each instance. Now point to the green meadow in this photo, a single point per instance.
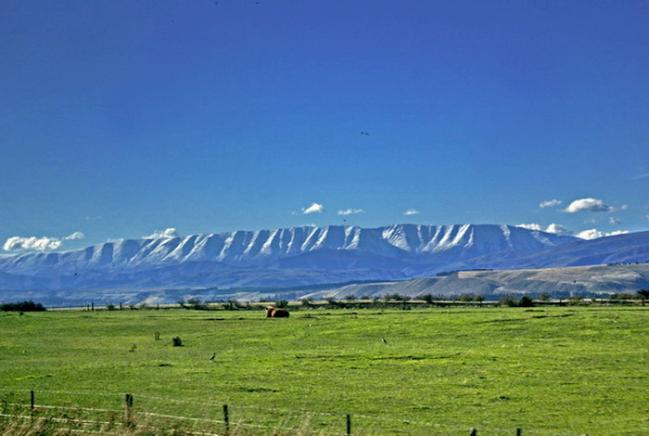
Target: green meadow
pixel 560 370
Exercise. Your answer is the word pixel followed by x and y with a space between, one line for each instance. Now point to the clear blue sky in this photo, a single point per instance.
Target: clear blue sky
pixel 118 118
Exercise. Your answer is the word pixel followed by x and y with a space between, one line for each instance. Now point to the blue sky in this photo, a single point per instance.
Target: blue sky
pixel 118 118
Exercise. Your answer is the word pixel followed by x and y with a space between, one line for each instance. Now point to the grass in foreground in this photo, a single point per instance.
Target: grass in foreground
pixel 568 370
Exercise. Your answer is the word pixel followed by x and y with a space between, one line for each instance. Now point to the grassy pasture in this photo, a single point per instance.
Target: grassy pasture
pixel 559 370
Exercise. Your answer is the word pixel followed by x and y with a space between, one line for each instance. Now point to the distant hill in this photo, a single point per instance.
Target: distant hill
pixel 582 280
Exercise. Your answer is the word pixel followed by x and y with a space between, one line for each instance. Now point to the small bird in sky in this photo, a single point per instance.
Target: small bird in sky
pixel 364 133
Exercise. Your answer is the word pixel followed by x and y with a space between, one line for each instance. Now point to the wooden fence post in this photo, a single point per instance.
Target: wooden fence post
pixel 226 419
pixel 349 424
pixel 128 404
pixel 32 402
pixel 519 432
pixel 474 432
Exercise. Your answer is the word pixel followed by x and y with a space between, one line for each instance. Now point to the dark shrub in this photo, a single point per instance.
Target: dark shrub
pixel 397 297
pixel 643 293
pixel 110 307
pixel 468 297
pixel 281 304
pixel 230 305
pixel 23 306
pixel 428 298
pixel 526 302
pixel 176 341
pixel 306 302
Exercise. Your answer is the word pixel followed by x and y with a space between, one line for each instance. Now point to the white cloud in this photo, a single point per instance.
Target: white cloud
pixel 552 228
pixel 313 208
pixel 531 226
pixel 557 229
pixel 39 243
pixel 594 233
pixel 549 203
pixel 588 204
pixel 345 212
pixel 164 234
pixel 75 236
pixel 410 212
pixel 614 221
pixel 34 243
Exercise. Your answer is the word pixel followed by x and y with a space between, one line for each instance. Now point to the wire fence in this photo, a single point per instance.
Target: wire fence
pixel 115 413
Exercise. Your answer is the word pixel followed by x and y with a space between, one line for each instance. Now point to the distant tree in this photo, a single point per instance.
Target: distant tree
pixel 643 293
pixel 428 298
pixel 350 297
pixel 282 304
pixel 507 301
pixel 397 297
pixel 22 306
pixel 526 301
pixel 231 305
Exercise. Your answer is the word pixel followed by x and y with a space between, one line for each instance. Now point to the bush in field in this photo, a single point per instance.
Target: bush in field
pixel 307 302
pixel 397 297
pixel 643 293
pixel 470 297
pixel 507 301
pixel 231 305
pixel 526 301
pixel 22 306
pixel 110 307
pixel 428 298
pixel 193 304
pixel 176 341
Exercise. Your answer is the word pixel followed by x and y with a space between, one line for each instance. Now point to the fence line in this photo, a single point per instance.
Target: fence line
pixel 289 414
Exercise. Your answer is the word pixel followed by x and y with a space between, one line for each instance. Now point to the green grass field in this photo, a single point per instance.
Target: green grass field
pixel 570 370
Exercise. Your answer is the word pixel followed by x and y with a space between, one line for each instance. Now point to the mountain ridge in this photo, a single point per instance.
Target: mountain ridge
pixel 304 256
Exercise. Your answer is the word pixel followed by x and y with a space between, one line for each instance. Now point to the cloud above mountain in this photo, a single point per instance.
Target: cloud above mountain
pixel 313 208
pixel 345 212
pixel 594 233
pixel 588 205
pixel 75 236
pixel 167 233
pixel 39 243
pixel 555 228
pixel 549 203
pixel 411 212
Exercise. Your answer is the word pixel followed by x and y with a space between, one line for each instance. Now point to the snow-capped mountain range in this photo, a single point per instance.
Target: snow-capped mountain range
pixel 306 256
pixel 255 247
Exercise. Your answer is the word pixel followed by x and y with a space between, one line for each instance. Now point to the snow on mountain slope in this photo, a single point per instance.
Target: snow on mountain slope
pixel 417 243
